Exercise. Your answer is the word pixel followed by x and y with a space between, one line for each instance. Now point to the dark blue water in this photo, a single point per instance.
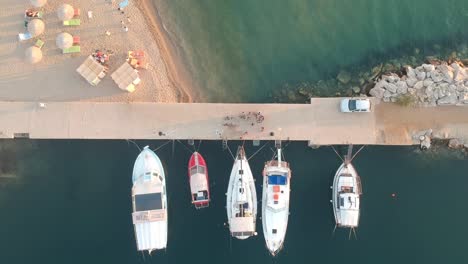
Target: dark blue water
pixel 70 203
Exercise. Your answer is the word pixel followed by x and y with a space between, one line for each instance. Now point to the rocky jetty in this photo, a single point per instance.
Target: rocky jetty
pixel 425 85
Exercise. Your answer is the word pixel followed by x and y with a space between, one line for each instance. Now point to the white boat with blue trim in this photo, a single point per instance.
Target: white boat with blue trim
pixel 149 202
pixel 275 202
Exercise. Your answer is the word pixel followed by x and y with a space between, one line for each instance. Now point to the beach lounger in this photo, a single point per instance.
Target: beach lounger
pixel 72 49
pixel 76 12
pixel 72 22
pixel 39 43
pixel 76 40
pixel 24 36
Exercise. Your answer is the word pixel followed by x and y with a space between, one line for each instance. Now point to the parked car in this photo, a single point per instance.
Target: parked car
pixel 355 105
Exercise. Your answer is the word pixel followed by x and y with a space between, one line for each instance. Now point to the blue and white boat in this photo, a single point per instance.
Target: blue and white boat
pixel 275 202
pixel 149 201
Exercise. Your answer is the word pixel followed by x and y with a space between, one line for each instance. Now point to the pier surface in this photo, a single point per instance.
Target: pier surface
pixel 319 122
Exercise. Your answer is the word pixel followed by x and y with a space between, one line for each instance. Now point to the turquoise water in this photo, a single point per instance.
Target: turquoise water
pixel 243 50
pixel 71 204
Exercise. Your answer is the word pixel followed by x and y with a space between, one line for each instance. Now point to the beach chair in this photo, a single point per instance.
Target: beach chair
pixel 76 12
pixel 72 22
pixel 24 36
pixel 76 40
pixel 72 49
pixel 39 43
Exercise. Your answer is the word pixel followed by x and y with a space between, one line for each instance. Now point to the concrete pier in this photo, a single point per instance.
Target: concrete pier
pixel 319 122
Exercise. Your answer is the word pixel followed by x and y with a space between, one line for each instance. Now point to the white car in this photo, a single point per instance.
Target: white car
pixel 355 105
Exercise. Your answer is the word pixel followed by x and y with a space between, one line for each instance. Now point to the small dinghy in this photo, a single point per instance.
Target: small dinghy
pixel 198 178
pixel 346 196
pixel 241 202
pixel 275 202
pixel 149 202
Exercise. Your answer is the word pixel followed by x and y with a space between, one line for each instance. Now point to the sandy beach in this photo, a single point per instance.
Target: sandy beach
pixel 55 77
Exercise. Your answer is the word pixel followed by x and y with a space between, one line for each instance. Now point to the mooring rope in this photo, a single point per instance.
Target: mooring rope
pixel 258 150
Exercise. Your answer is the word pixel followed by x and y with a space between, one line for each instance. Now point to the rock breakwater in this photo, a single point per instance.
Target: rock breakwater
pixel 433 84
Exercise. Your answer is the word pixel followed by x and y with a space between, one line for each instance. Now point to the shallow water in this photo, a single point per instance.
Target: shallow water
pixel 73 205
pixel 243 50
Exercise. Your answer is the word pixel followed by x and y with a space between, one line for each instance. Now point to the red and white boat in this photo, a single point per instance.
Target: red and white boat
pixel 198 178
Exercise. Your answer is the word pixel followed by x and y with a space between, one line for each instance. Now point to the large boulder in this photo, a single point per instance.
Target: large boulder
pixel 450 99
pixel 410 72
pixel 428 67
pixel 387 94
pixel 455 143
pixel 392 78
pixel 436 76
pixel 420 75
pixel 391 87
pixel 402 87
pixel 447 72
pixel 344 77
pixel 377 92
pixel 411 81
pixel 463 98
pixel 428 82
pixel 419 85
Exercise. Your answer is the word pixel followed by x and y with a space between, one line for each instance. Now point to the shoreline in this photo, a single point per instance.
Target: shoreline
pixel 177 73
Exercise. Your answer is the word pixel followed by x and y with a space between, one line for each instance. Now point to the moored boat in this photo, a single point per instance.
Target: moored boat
pixel 149 202
pixel 241 202
pixel 275 202
pixel 198 178
pixel 346 196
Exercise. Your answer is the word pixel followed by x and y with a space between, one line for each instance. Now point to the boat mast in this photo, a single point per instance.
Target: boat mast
pixel 279 157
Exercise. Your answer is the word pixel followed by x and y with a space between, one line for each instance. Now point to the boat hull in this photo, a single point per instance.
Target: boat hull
pixel 346 191
pixel 198 181
pixel 149 202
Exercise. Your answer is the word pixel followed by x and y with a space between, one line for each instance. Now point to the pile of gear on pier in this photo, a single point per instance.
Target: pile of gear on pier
pixel 426 85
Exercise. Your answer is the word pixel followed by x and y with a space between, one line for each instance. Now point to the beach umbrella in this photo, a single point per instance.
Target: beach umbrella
pixel 64 40
pixel 33 54
pixel 65 12
pixel 38 3
pixel 36 27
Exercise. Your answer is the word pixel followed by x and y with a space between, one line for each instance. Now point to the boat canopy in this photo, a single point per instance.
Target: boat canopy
pixel 277 179
pixel 148 202
pixel 242 224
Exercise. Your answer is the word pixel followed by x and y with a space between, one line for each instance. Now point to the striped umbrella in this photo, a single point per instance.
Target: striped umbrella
pixel 65 12
pixel 36 27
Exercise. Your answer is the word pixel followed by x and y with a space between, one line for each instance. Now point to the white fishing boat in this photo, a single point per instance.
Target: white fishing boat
pixel 346 195
pixel 149 201
pixel 275 202
pixel 241 202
